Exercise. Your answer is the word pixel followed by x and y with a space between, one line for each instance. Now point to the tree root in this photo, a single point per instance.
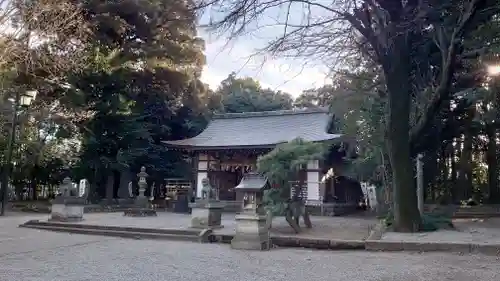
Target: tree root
pixel 307 219
pixel 293 223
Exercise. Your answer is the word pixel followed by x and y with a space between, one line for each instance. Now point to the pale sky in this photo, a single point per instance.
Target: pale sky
pixel 290 75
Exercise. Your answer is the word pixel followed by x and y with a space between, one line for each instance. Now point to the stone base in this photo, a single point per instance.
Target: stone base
pixel 251 233
pixel 140 212
pixel 125 201
pixel 66 213
pixel 332 209
pixel 206 215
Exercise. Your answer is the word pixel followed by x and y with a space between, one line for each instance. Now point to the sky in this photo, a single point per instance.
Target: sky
pixel 288 75
pixel 291 76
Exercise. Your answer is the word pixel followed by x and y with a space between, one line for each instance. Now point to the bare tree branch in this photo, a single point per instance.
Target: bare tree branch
pixel 40 37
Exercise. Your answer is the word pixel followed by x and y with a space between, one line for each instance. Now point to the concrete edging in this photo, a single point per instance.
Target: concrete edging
pixel 303 242
pixel 453 247
pixel 202 236
pixel 377 231
pixel 373 243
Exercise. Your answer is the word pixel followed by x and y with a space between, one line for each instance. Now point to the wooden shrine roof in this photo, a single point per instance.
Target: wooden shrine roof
pixel 260 129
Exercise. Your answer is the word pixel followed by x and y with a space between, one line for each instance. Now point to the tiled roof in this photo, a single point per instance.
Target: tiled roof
pixel 252 181
pixel 254 129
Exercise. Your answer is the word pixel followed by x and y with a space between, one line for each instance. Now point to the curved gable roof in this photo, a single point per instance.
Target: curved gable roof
pixel 259 129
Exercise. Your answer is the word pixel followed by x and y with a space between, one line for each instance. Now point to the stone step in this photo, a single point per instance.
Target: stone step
pixel 194 232
pixel 204 236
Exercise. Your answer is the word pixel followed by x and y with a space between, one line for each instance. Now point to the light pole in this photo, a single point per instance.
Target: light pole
pixel 19 101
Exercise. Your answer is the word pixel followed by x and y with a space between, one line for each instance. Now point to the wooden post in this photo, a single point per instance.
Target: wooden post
pixel 420 183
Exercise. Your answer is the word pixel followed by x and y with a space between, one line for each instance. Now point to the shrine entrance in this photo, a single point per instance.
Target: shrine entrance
pixel 232 142
pixel 226 178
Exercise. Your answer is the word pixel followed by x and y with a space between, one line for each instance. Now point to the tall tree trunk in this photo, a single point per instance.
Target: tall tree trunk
pixel 398 77
pixel 453 170
pixel 431 174
pixel 491 159
pixel 116 183
pixel 465 178
pixel 450 169
pixel 493 182
pixel 110 188
pixel 33 184
pixel 443 176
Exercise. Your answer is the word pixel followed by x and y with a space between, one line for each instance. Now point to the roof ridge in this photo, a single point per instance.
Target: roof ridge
pixel 294 111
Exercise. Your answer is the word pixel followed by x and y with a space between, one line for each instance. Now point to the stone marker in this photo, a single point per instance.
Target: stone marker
pixel 68 206
pixel 83 187
pixel 142 207
pixel 207 212
pixel 252 232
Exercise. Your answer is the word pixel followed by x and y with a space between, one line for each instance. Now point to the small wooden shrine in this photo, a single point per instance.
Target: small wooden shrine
pixel 229 146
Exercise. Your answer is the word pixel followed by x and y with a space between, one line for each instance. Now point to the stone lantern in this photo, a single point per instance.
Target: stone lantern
pixel 141 200
pixel 142 207
pixel 68 206
pixel 252 232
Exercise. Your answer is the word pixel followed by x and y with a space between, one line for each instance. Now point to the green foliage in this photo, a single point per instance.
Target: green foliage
pixel 134 112
pixel 283 162
pixel 141 87
pixel 274 201
pixel 358 103
pixel 281 166
pixel 157 33
pixel 236 95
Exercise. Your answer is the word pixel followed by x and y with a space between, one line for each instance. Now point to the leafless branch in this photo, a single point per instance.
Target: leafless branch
pixel 40 38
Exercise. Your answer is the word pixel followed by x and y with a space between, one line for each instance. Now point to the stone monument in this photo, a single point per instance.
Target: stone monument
pixel 141 206
pixel 68 206
pixel 83 187
pixel 252 232
pixel 130 190
pixel 207 212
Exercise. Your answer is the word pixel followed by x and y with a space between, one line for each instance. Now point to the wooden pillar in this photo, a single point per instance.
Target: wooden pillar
pixel 194 174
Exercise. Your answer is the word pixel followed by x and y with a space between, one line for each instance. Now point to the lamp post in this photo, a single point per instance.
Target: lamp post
pixel 23 100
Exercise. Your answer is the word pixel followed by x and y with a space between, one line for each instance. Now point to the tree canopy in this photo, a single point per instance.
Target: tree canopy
pixel 236 95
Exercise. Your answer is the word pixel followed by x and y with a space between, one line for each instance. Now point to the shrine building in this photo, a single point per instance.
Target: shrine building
pixel 231 143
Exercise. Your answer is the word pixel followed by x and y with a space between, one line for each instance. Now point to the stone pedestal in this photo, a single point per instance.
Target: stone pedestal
pixel 67 209
pixel 206 215
pixel 141 208
pixel 252 233
pixel 140 212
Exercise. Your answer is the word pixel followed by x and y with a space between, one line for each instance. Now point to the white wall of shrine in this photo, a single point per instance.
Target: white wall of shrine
pixel 313 181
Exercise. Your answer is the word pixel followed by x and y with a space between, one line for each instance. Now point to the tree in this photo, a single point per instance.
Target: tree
pixel 235 95
pixel 398 36
pixel 357 102
pixel 142 87
pixel 281 167
pixel 35 35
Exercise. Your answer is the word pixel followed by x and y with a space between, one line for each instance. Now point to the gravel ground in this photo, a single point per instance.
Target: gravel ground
pixel 31 255
pixel 347 228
